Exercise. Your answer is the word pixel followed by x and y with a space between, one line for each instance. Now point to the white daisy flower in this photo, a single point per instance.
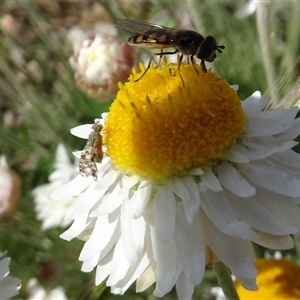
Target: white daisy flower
pixel 9 286
pixel 52 213
pixel 37 292
pixel 189 172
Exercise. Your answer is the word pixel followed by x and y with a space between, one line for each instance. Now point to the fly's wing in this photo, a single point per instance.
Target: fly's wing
pixel 140 27
pixel 147 34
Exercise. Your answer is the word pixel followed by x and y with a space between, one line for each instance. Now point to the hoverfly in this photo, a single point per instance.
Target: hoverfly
pixel 92 153
pixel 187 42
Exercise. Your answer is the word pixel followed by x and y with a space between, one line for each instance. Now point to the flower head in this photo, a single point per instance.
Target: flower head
pixel 52 213
pixel 177 123
pixel 189 173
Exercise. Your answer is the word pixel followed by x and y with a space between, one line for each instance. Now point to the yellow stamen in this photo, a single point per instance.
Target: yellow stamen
pixel 157 127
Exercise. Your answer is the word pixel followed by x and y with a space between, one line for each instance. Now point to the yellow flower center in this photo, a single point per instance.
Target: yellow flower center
pixel 164 125
pixel 277 279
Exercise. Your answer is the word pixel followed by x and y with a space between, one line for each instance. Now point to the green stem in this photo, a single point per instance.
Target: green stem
pixel 257 251
pixel 224 278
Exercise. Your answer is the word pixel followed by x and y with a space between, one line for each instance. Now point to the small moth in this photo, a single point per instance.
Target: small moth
pixel 92 153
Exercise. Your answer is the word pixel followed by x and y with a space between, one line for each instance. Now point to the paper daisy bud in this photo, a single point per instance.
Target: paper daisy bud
pixel 9 286
pixel 9 189
pixel 187 169
pixel 100 64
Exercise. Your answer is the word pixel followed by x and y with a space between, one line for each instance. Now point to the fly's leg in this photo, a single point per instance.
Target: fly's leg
pixel 194 63
pixel 203 66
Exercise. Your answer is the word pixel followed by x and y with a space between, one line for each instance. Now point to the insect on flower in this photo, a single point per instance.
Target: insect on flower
pixel 187 42
pixel 92 153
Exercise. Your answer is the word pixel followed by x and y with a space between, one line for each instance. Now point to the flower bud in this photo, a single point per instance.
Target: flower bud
pixel 100 63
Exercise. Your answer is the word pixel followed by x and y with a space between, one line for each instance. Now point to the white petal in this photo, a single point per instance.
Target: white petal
pixel 184 288
pixel 131 276
pixel 247 283
pixel 164 261
pixel 82 131
pixel 283 207
pixel 103 117
pixel 235 87
pixel 103 268
pixel 164 212
pixel 4 266
pixel 84 203
pixel 254 104
pixel 109 203
pixel 289 159
pixel 252 130
pixel 210 180
pixel 195 172
pixel 218 210
pixel 179 189
pixel 262 147
pixel 141 198
pixel 89 264
pixel 76 228
pixel 133 233
pixel 291 133
pixel 145 280
pixel 252 211
pixel 235 155
pixel 77 154
pixel 128 182
pixel 189 244
pixel 279 242
pixel 61 157
pixel 285 116
pixel 71 189
pixel 284 165
pixel 272 179
pixel 119 265
pixel 9 287
pixel 231 179
pixel 191 207
pixel 268 123
pixel 109 178
pixel 234 253
pixel 105 234
pixel 85 234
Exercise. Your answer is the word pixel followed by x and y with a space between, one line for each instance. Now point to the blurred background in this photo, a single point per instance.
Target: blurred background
pixel 60 62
